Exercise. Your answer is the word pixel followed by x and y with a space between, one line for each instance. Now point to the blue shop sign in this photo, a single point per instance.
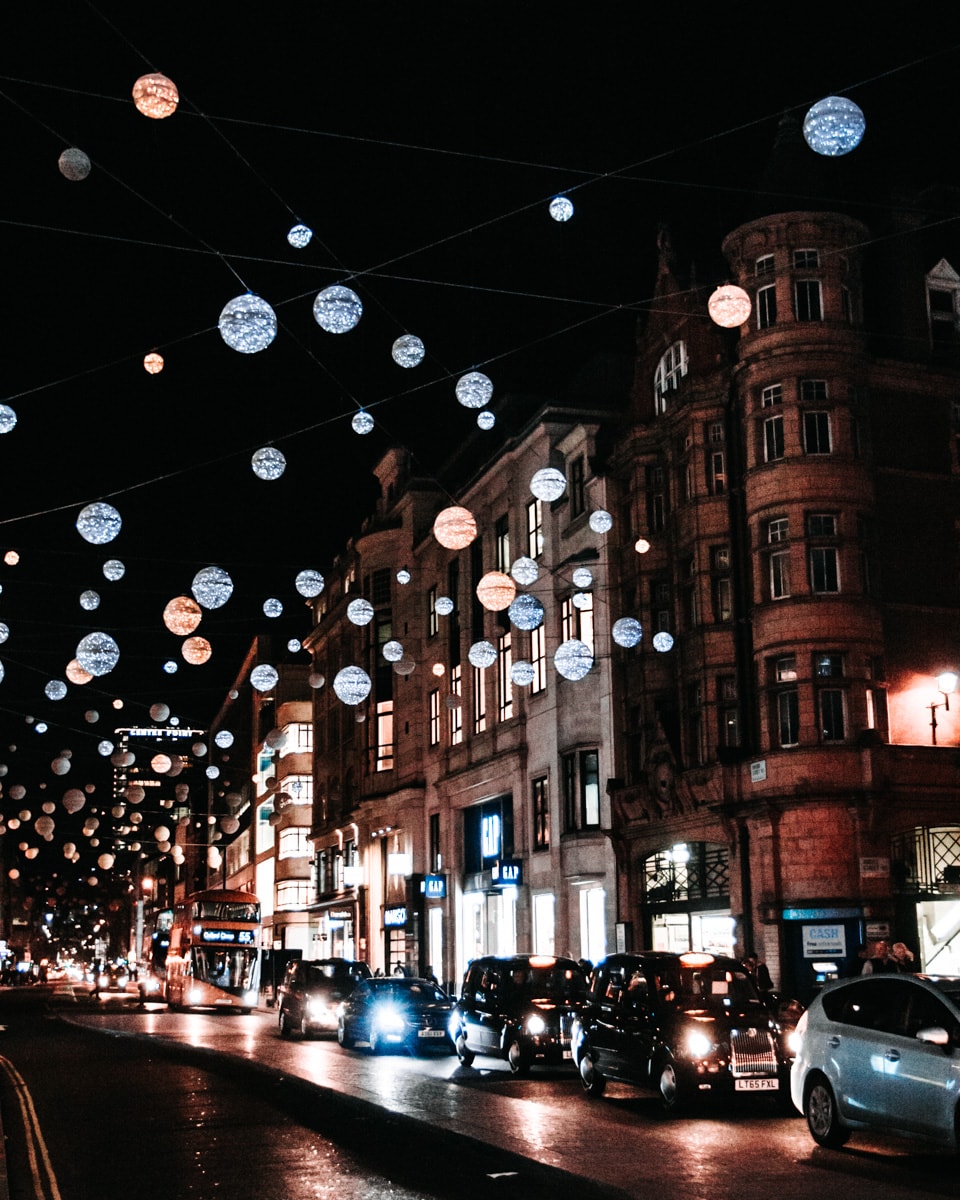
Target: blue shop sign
pixel 507 872
pixel 434 887
pixel 396 917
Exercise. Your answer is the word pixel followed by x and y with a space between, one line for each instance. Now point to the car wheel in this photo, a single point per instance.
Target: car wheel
pixel 465 1055
pixel 593 1081
pixel 286 1029
pixel 518 1059
pixel 673 1095
pixel 344 1038
pixel 304 1027
pixel 820 1109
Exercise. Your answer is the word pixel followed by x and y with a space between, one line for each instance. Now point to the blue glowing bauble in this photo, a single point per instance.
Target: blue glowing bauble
pixel 474 390
pixel 627 632
pixel 299 236
pixel 8 418
pixel 268 463
pixel 113 569
pixel 362 422
pixel 272 607
pixel 486 419
pixel 561 209
pixel 408 351
pixel 56 689
pixel 393 651
pixel 526 612
pixel 337 309
pixel 482 655
pixel 248 324
pixel 89 600
pixel 662 642
pixel 98 523
pixel 360 612
pixel 263 677
pixel 309 583
pixel 525 570
pixel 548 484
pixel 573 659
pixel 40 727
pixel 582 577
pixel 212 587
pixel 834 126
pixel 352 685
pixel 74 164
pixel 98 653
pixel 4 631
pixel 522 673
pixel 170 667
pixel 223 738
pixel 294 645
pixel 403 576
pixel 601 521
pixel 443 606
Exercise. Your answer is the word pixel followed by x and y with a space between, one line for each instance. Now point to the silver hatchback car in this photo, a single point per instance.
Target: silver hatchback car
pixel 881 1052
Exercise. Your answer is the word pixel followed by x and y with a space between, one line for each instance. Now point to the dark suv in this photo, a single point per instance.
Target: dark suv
pixel 683 1025
pixel 313 992
pixel 520 1008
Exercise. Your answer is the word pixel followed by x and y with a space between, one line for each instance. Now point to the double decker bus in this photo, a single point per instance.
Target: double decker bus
pixel 214 955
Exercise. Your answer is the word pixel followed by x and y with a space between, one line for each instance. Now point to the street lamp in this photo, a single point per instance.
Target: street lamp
pixel 946 684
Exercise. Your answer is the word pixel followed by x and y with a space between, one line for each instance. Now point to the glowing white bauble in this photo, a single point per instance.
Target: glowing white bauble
pixel 268 463
pixel 582 577
pixel 337 309
pixel 393 651
pixel 522 673
pixel 98 523
pixel 474 390
pixel 4 631
pixel 526 612
pixel 113 569
pixel 548 484
pixel 834 126
pixel 170 667
pixel 105 748
pixel 309 584
pixel 212 587
pixel 8 418
pixel 299 236
pixel 662 642
pixel 74 164
pixel 294 646
pixel 408 351
pixel 89 600
pixel 360 612
pixel 582 600
pixel 482 655
pixel 56 689
pixel 486 419
pixel 403 576
pixel 573 659
pixel 362 422
pixel 98 653
pixel 223 738
pixel 248 324
pixel 272 607
pixel 352 685
pixel 264 677
pixel 729 306
pixel 561 209
pixel 443 606
pixel 525 570
pixel 627 632
pixel 601 521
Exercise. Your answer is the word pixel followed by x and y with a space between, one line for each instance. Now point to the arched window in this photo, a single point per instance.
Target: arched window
pixel 670 370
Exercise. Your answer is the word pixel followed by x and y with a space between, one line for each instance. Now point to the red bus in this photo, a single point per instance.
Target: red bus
pixel 214 955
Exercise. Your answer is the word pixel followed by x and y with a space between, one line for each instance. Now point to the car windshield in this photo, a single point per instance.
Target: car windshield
pixel 720 986
pixel 408 991
pixel 548 984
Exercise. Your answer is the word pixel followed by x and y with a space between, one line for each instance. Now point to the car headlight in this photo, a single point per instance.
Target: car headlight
pixel 453 1026
pixel 698 1044
pixel 794 1041
pixel 388 1019
pixel 535 1025
pixel 317 1009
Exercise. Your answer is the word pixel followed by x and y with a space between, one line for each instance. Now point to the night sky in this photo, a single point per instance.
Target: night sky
pixel 422 144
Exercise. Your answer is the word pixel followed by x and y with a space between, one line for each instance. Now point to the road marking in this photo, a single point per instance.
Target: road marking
pixel 34 1137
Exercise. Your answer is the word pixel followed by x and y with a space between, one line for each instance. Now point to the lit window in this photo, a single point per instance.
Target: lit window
pixel 670 370
pixel 502 543
pixel 479 701
pixel 385 735
pixel 433 620
pixel 785 668
pixel 716 472
pixel 538 660
pixel 541 813
pixel 456 710
pixel 293 893
pixel 577 622
pixel 504 682
pixel 435 717
pixel 294 842
pixel 535 528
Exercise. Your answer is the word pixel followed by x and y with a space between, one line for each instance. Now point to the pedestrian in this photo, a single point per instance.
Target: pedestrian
pixel 880 962
pixel 903 957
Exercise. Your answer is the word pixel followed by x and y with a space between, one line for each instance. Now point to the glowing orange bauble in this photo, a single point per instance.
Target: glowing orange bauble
pixel 161 763
pixel 729 306
pixel 455 528
pixel 153 363
pixel 76 674
pixel 196 650
pixel 182 615
pixel 156 96
pixel 11 558
pixel 496 591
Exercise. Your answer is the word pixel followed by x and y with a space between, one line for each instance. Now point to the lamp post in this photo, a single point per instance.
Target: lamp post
pixel 946 684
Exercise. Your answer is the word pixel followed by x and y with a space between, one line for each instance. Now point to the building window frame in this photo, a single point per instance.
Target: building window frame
pixel 817 434
pixel 670 370
pixel 808 299
pixel 773 443
pixel 766 302
pixel 535 528
pixel 540 801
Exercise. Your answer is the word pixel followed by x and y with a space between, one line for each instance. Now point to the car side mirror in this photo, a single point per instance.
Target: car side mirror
pixel 936 1035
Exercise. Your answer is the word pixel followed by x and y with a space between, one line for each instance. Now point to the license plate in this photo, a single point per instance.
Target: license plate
pixel 568 1054
pixel 756 1085
pixel 431 1033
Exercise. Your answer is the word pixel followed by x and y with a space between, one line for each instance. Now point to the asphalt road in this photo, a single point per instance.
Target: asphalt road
pixel 426 1124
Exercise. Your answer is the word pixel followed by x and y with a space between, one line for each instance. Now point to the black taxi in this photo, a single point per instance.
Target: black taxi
pixel 686 1026
pixel 520 1007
